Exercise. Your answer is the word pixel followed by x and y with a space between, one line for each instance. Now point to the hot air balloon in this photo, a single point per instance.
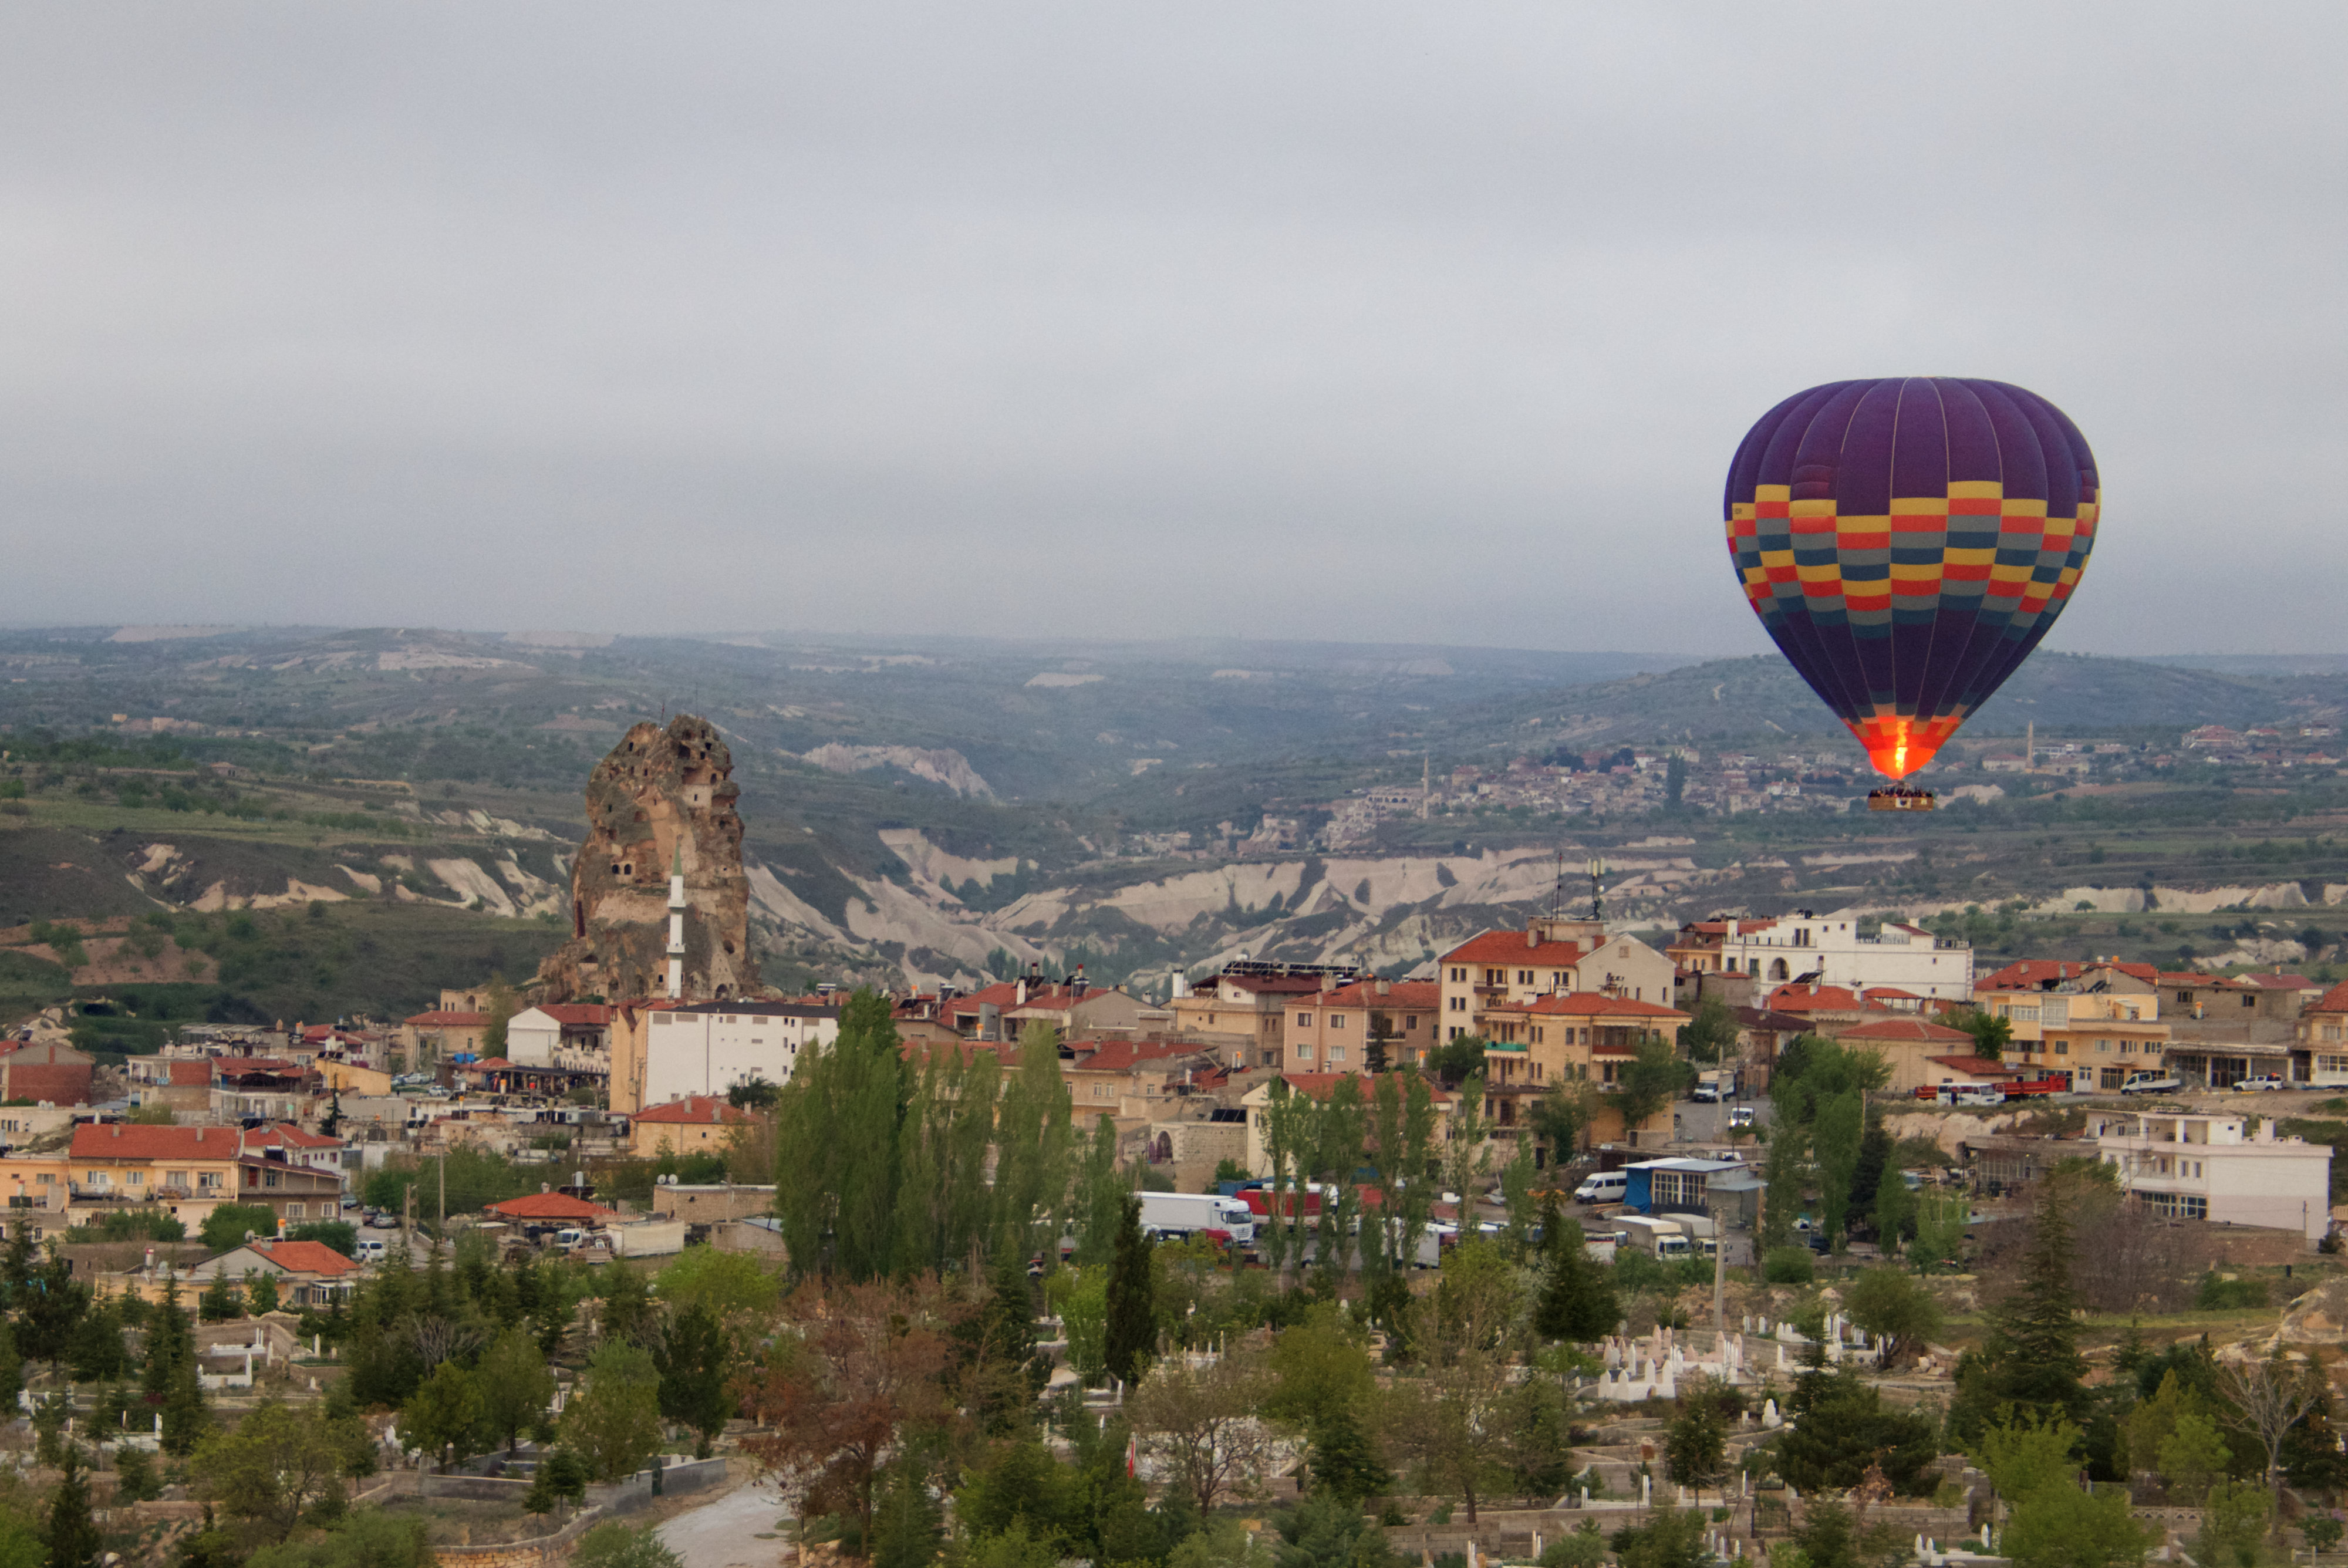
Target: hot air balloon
pixel 1907 541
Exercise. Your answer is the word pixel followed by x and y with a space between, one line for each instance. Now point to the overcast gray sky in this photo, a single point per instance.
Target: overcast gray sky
pixel 1426 323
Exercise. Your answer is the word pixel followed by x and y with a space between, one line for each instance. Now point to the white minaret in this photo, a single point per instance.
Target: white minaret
pixel 676 927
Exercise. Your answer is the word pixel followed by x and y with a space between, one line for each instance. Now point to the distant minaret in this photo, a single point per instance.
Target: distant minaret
pixel 676 927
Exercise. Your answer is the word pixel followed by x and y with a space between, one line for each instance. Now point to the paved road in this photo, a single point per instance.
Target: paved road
pixel 726 1534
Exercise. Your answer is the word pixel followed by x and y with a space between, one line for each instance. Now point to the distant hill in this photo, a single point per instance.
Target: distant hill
pixel 1742 699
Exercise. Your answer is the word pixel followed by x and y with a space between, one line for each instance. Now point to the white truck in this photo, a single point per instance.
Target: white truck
pixel 1658 1238
pixel 1195 1214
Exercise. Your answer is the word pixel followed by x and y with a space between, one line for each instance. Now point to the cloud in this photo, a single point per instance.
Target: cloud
pixel 1363 321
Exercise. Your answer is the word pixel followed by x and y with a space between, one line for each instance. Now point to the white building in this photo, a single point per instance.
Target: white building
pixel 2211 1167
pixel 1827 950
pixel 575 1036
pixel 706 1048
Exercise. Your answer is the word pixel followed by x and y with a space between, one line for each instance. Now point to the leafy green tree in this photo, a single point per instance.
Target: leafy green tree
pixel 276 1469
pixel 616 1545
pixel 1648 1082
pixel 1584 1548
pixel 70 1532
pixel 1325 1531
pixel 2192 1456
pixel 1034 1138
pixel 2059 1526
pixel 1842 1426
pixel 908 1527
pixel 260 1292
pixel 1467 1151
pixel 1832 1536
pixel 1781 1201
pixel 1101 1193
pixel 2031 1357
pixel 1319 1368
pixel 339 1235
pixel 516 1386
pixel 1132 1335
pixel 1940 1221
pixel 1561 1117
pixel 169 1379
pixel 222 1300
pixel 694 1364
pixel 1576 1301
pixel 96 1352
pixel 1670 1538
pixel 363 1538
pixel 1695 1446
pixel 135 1480
pixel 1900 1313
pixel 1345 1457
pixel 1991 1034
pixel 1711 1035
pixel 613 1421
pixel 1454 1062
pixel 561 1476
pixel 2021 1454
pixel 837 1124
pixel 1836 1138
pixel 224 1228
pixel 448 1416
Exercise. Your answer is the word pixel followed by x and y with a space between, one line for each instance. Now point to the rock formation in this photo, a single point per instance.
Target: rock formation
pixel 664 798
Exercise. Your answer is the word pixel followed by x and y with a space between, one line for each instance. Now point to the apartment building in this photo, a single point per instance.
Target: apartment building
pixel 1828 950
pixel 664 1051
pixel 1483 980
pixel 2086 1027
pixel 1581 1035
pixel 2212 1167
pixel 1331 1030
pixel 1249 1004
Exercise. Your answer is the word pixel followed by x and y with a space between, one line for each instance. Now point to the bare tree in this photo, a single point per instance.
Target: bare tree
pixel 1203 1423
pixel 2273 1396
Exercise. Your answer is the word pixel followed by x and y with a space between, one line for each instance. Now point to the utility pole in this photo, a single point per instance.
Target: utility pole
pixel 444 1187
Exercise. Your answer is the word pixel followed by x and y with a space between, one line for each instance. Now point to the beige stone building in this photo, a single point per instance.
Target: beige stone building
pixel 1331 1030
pixel 1503 969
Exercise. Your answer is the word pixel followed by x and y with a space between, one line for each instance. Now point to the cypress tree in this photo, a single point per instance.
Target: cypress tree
pixel 2031 1359
pixel 1132 1300
pixel 69 1532
pixel 1578 1304
pixel 1345 1462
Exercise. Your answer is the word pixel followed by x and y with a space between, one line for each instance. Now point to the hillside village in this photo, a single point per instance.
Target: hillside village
pixel 1746 1210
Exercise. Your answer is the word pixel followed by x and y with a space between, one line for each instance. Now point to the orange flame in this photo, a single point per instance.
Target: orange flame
pixel 1900 745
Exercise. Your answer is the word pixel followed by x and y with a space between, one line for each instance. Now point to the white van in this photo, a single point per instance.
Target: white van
pixel 1603 1187
pixel 372 1249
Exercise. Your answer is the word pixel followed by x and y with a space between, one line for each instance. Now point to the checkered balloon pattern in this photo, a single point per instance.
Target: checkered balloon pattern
pixel 1907 543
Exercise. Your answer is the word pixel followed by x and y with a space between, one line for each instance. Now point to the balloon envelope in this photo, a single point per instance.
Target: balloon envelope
pixel 1907 543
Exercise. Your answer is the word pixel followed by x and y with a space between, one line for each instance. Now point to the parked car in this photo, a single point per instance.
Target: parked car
pixel 2152 1083
pixel 373 1250
pixel 1603 1187
pixel 1740 1116
pixel 2261 1081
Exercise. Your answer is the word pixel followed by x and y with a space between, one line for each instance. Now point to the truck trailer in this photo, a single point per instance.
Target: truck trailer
pixel 1196 1215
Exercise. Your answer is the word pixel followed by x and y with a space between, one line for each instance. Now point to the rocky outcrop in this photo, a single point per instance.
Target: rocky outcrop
pixel 664 798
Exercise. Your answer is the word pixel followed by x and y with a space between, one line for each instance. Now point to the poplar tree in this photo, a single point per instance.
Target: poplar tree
pixel 1132 1300
pixel 1836 1139
pixel 1033 1135
pixel 835 1159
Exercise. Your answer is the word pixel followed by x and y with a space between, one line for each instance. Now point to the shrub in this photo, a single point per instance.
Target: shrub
pixel 1788 1266
pixel 2218 1295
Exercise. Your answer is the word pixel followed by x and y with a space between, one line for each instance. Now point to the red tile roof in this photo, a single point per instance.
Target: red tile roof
pixel 2034 973
pixel 1271 985
pixel 551 1206
pixel 1599 1005
pixel 1320 1085
pixel 305 1257
pixel 290 1135
pixel 2280 982
pixel 1405 993
pixel 119 1140
pixel 1508 947
pixel 1979 1067
pixel 1814 999
pixel 2333 1001
pixel 1895 1031
pixel 697 1110
pixel 439 1020
pixel 1124 1056
pixel 576 1012
pixel 191 1073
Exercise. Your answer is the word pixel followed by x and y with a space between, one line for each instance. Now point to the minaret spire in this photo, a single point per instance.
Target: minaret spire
pixel 676 924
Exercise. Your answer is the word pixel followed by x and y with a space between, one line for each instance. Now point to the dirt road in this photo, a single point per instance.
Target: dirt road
pixel 743 1529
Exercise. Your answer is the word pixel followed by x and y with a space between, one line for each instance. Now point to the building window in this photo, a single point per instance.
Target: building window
pixel 1304 1020
pixel 296 1211
pixel 1336 1020
pixel 1304 1052
pixel 1336 1053
pixel 2178 1205
pixel 138 1177
pixel 1458 975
